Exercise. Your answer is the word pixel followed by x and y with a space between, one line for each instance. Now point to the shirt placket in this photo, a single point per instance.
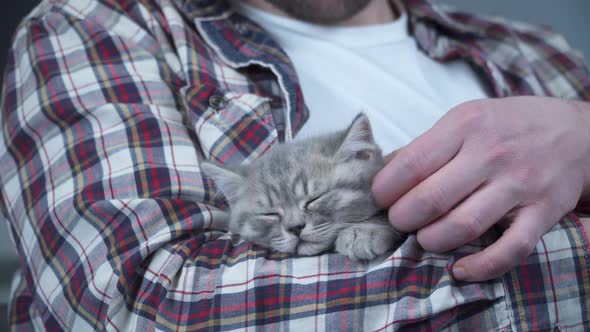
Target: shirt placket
pixel 239 46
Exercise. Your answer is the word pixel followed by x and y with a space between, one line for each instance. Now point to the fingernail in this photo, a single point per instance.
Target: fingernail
pixel 459 273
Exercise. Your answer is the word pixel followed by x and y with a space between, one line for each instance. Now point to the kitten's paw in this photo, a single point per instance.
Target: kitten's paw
pixel 362 244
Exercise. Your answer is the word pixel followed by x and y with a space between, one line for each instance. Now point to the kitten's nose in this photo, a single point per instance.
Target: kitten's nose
pixel 296 230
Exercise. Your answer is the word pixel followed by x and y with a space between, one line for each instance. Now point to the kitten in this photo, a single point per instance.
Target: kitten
pixel 310 196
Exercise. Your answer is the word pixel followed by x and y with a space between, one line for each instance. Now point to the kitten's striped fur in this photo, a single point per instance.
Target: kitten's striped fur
pixel 310 196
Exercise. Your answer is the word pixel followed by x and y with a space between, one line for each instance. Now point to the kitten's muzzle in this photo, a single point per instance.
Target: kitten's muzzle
pixel 296 230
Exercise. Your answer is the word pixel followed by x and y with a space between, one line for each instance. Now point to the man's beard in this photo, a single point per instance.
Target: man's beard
pixel 320 11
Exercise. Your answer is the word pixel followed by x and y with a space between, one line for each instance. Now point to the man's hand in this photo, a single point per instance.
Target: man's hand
pixel 522 159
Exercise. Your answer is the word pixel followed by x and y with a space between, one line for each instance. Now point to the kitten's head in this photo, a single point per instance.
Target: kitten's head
pixel 303 192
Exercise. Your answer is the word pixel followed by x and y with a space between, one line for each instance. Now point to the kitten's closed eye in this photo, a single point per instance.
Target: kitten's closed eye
pixel 313 202
pixel 270 217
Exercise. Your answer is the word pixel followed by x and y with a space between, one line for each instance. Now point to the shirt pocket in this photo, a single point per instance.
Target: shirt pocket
pixel 422 295
pixel 231 127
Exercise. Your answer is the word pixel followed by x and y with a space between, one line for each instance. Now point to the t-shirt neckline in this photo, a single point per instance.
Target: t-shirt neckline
pixel 345 36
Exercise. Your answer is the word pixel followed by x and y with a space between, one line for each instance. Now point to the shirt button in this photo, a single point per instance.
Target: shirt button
pixel 217 102
pixel 241 28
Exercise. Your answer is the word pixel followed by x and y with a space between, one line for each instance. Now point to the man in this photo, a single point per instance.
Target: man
pixel 109 106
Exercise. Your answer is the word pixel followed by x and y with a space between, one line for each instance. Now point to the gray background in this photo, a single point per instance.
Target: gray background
pixel 569 17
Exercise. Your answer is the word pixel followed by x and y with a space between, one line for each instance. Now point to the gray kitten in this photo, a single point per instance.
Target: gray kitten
pixel 310 196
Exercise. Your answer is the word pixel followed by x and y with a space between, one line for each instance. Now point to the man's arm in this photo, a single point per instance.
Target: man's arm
pixel 101 179
pixel 524 161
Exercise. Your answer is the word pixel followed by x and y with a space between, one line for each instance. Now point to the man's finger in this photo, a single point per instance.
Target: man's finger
pixel 517 242
pixel 390 156
pixel 469 220
pixel 436 195
pixel 415 162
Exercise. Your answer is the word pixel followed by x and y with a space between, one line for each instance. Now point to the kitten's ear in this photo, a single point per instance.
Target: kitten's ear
pixel 226 181
pixel 359 142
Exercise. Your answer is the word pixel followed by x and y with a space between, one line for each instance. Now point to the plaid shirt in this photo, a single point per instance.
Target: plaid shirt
pixel 108 107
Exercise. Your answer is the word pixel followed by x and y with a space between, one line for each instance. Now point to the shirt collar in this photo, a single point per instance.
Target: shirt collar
pixel 442 16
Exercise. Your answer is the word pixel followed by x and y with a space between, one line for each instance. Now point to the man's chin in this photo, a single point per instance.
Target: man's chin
pixel 325 12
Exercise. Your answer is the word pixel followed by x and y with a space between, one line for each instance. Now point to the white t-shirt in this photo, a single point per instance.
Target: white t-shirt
pixel 375 69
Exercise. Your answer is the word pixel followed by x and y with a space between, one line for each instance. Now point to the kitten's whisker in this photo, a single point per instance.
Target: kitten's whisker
pixel 322 227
